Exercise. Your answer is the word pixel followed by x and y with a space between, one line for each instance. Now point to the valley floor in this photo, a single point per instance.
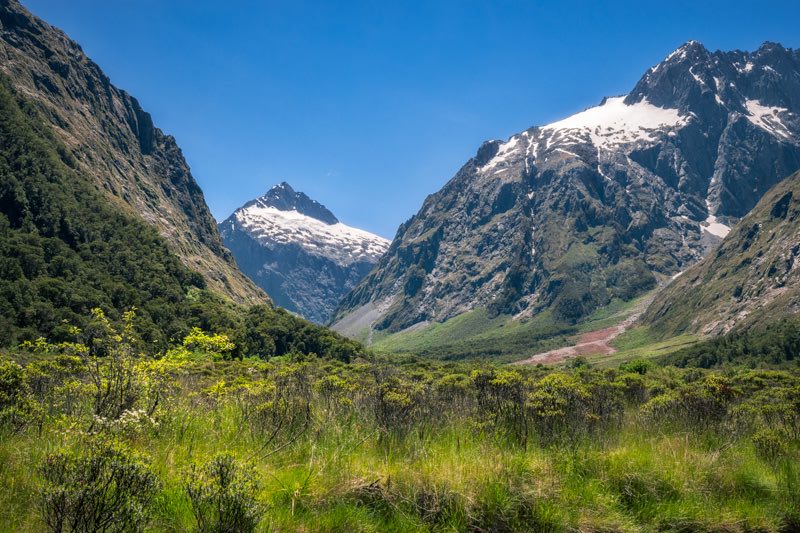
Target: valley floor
pixel 597 342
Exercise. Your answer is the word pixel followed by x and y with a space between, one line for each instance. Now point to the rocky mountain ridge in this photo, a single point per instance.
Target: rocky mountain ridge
pixel 298 251
pixel 114 142
pixel 567 216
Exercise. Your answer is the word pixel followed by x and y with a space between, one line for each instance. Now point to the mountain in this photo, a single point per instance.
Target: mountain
pixel 73 239
pixel 753 276
pixel 114 143
pixel 569 216
pixel 298 251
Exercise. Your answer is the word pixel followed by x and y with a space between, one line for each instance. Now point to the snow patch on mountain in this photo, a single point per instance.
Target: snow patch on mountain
pixel 768 118
pixel 338 242
pixel 506 150
pixel 614 122
pixel 714 227
pixel 608 126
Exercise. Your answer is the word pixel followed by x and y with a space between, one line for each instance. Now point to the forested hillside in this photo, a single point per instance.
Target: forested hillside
pixel 64 250
pixel 115 145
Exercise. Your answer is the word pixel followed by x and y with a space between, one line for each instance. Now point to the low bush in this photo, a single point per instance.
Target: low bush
pixel 223 496
pixel 102 486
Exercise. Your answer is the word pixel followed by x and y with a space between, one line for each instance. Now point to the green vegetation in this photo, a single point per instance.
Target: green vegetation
pixel 477 334
pixel 773 343
pixel 750 279
pixel 64 250
pixel 92 431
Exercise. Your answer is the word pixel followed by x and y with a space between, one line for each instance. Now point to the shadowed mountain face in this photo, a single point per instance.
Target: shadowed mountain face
pixel 134 164
pixel 298 251
pixel 569 215
pixel 754 275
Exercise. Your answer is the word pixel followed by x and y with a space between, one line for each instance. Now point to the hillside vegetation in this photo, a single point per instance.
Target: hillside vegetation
pixel 65 250
pixel 95 433
pixel 752 278
pixel 115 146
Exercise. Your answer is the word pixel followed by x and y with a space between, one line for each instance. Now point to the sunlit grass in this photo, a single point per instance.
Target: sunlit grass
pixel 343 473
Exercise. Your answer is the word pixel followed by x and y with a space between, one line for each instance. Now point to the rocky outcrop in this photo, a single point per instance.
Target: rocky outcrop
pixel 566 216
pixel 116 145
pixel 298 251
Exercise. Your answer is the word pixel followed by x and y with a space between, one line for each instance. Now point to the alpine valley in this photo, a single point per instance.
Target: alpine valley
pixel 594 326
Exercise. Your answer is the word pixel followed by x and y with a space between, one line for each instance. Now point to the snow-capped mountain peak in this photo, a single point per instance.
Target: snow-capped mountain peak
pixel 298 251
pixel 284 198
pixel 343 244
pixel 639 187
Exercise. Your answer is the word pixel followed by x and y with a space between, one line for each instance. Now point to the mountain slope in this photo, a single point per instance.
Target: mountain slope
pixel 113 142
pixel 64 249
pixel 754 275
pixel 568 216
pixel 297 251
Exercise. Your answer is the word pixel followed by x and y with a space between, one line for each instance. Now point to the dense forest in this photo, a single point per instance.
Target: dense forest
pixel 64 250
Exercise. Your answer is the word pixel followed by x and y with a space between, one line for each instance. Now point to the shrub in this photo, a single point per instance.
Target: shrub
pixel 770 444
pixel 559 407
pixel 274 412
pixel 699 406
pixel 500 396
pixel 634 387
pixel 636 366
pixel 223 496
pixel 217 345
pixel 335 391
pixel 396 405
pixel 17 408
pixel 104 487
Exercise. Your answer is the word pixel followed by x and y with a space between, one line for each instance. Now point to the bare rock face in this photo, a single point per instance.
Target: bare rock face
pixel 753 276
pixel 566 216
pixel 298 251
pixel 115 143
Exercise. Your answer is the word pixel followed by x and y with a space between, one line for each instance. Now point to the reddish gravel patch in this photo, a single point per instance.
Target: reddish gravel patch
pixel 596 342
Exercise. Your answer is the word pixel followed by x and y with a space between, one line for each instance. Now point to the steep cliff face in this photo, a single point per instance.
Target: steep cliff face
pixel 116 145
pixel 299 252
pixel 754 275
pixel 599 205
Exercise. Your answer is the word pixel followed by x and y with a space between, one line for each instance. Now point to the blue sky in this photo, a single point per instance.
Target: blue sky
pixel 371 106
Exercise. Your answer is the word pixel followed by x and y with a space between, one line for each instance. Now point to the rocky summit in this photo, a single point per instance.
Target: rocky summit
pixel 567 216
pixel 297 250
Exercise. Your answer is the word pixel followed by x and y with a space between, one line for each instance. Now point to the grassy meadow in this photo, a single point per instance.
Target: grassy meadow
pixel 97 436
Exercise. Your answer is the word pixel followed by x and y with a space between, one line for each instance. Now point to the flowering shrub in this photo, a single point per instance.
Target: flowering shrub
pixel 216 345
pixel 130 423
pixel 17 408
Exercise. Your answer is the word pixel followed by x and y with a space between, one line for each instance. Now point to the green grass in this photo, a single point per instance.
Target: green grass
pixel 448 467
pixel 475 334
pixel 638 344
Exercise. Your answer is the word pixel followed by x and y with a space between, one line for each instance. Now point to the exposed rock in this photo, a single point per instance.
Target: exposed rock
pixel 599 205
